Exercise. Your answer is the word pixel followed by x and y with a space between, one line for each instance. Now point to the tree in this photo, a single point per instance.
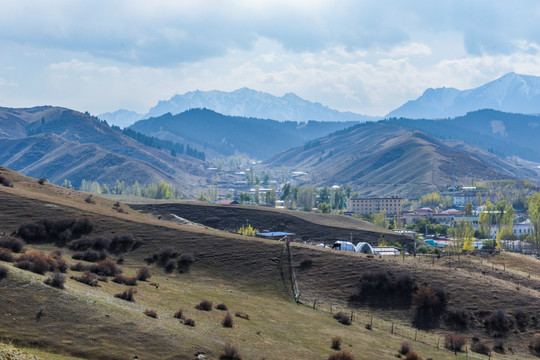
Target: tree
pixel 173 152
pixel 462 232
pixel 533 203
pixel 468 208
pixel 67 184
pixel 247 230
pixel 379 219
pixel 270 197
pixel 306 198
pixel 324 208
pixel 324 195
pixel 486 219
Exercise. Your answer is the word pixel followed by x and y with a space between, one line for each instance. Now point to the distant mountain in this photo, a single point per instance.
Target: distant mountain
pixel 503 134
pixel 53 142
pixel 122 117
pixel 229 135
pixel 383 159
pixel 250 103
pixel 510 93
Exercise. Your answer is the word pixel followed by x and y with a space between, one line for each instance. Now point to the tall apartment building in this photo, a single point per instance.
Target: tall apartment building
pixel 368 206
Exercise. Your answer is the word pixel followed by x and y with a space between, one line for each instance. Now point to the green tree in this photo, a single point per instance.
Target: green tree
pixel 173 152
pixel 468 208
pixel 324 208
pixel 462 233
pixel 67 184
pixel 136 189
pixel 105 189
pixel 486 219
pixel 533 203
pixel 379 219
pixel 270 197
pixel 324 195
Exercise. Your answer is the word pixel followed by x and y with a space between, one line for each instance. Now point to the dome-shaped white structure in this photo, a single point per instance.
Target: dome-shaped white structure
pixel 364 248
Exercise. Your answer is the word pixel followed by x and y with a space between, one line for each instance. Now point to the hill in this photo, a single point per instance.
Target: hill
pixel 510 93
pixel 54 142
pixel 384 158
pixel 250 103
pixel 246 274
pixel 504 134
pixel 229 135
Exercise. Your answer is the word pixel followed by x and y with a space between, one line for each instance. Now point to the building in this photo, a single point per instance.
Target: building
pixel 368 206
pixel 524 228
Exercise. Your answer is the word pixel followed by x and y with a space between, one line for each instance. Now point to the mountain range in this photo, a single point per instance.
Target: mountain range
pixel 510 93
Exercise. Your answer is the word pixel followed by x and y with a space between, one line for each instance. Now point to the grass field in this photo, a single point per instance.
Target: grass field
pixel 243 273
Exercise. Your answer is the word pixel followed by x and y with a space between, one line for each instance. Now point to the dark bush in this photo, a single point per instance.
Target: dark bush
pixel 522 320
pixel 42 181
pixel 534 344
pixel 179 314
pixel 33 232
pixel 37 262
pixel 189 322
pixel 89 199
pixel 170 265
pixel 480 348
pixel 5 181
pixel 342 355
pixel 151 313
pixel 242 315
pixel 126 294
pixel 230 353
pixel 6 255
pixel 185 261
pixel 105 267
pixel 81 227
pixel 90 255
pixel 457 319
pixel 57 262
pixel 404 348
pixel 87 278
pixel 205 305
pixel 499 346
pixel 56 280
pixel 3 272
pixel 381 288
pixel 54 230
pixel 97 243
pixel 222 307
pixel 342 318
pixel 11 243
pixel 306 264
pixel 121 243
pixel 336 343
pixel 454 342
pixel 429 305
pixel 126 280
pixel 412 355
pixel 368 326
pixel 227 321
pixel 498 323
pixel 144 273
pixel 165 254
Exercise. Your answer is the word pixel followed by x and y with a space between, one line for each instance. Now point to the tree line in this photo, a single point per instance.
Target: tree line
pixel 160 190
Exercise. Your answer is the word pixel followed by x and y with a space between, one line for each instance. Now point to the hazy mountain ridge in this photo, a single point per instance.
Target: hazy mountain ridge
pixel 229 135
pixel 510 93
pixel 256 104
pixel 121 117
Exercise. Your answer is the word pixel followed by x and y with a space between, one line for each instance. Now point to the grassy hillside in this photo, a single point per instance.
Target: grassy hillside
pixel 244 274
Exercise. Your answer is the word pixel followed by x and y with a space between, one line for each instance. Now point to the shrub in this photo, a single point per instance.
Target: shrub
pixel 230 353
pixel 378 288
pixel 81 227
pixel 179 314
pixel 480 348
pixel 227 321
pixel 368 326
pixel 499 346
pixel 343 318
pixel 429 305
pixel 189 322
pixel 454 342
pixel 54 230
pixel 3 272
pixel 56 280
pixel 87 278
pixel 89 199
pixel 457 319
pixel 336 343
pixel 498 323
pixel 122 243
pixel 105 267
pixel 165 254
pixel 205 305
pixel 405 348
pixel 11 243
pixel 144 273
pixel 6 255
pixel 58 263
pixel 534 344
pixel 42 181
pixel 126 280
pixel 5 181
pixel 90 255
pixel 222 307
pixel 39 263
pixel 521 318
pixel 151 313
pixel 342 355
pixel 170 265
pixel 242 315
pixel 127 294
pixel 97 243
pixel 185 261
pixel 306 264
pixel 412 355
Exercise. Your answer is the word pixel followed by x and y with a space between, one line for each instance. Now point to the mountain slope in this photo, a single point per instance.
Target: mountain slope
pixel 510 93
pixel 229 135
pixel 384 159
pixel 82 139
pixel 502 133
pixel 250 103
pixel 122 117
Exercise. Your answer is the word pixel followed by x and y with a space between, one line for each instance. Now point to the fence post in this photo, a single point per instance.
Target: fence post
pixel 392 327
pixel 438 343
pixel 331 309
pixel 415 334
pixel 314 304
pixel 352 315
pixel 371 322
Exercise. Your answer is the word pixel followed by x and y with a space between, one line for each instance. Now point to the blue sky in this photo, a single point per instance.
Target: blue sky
pixel 363 56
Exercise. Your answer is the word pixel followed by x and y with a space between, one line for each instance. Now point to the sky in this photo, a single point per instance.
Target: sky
pixel 368 57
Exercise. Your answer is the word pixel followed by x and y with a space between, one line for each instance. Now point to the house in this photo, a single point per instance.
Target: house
pixel 524 228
